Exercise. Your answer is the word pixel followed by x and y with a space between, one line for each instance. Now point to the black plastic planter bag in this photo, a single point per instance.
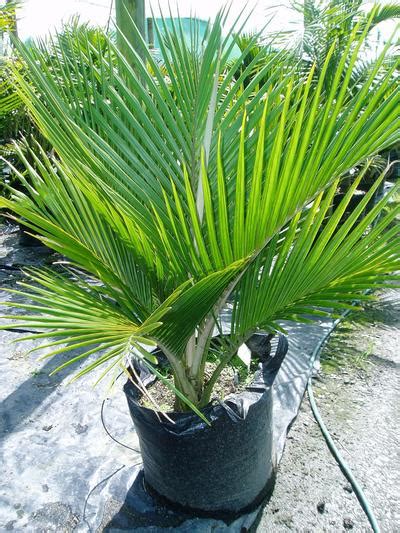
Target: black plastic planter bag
pixel 221 470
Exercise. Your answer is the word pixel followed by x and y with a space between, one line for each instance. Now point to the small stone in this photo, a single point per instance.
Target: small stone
pixel 79 428
pixel 348 488
pixel 47 428
pixel 321 507
pixel 348 523
pixel 45 488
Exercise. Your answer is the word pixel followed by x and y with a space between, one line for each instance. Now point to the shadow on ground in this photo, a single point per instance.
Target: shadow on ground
pixel 28 396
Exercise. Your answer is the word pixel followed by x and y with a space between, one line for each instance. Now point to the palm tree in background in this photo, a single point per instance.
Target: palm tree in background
pixel 127 11
pixel 327 22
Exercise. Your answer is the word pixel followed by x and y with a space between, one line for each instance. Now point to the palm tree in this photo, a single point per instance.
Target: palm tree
pixel 325 22
pixel 176 192
pixel 8 17
pixel 332 21
pixel 125 11
pixel 15 121
pixel 12 110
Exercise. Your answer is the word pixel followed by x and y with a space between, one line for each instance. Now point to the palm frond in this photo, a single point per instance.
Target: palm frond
pixel 386 11
pixel 174 185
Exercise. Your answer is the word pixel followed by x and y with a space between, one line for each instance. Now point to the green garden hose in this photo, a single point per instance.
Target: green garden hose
pixel 329 441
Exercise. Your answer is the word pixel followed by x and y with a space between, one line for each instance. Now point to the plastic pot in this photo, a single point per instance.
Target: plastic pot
pixel 221 470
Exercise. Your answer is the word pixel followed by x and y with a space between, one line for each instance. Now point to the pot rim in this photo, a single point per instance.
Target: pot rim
pixel 260 383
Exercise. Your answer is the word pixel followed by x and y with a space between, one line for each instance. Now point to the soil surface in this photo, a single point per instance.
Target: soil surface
pixel 162 397
pixel 358 394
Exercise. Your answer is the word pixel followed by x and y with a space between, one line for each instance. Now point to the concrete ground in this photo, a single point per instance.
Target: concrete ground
pixel 358 394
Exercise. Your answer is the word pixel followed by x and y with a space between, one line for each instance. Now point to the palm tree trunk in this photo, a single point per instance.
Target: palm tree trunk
pixel 126 12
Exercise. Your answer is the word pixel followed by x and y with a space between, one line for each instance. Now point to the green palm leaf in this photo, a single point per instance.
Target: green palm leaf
pixel 175 188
